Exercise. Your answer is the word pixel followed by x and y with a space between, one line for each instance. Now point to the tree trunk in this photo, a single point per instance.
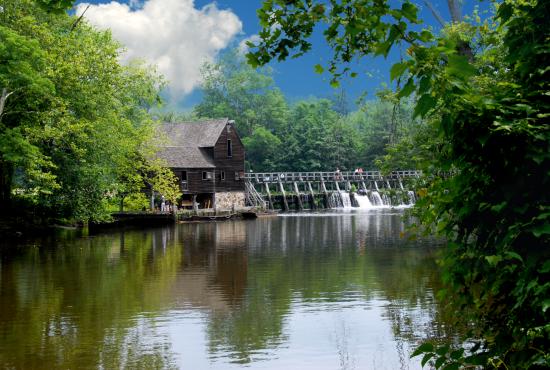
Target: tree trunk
pixel 455 10
pixel 3 97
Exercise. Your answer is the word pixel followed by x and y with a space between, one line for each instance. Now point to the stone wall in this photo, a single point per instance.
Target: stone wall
pixel 228 200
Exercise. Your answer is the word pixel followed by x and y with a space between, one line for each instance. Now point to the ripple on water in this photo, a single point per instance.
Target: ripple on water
pixel 330 290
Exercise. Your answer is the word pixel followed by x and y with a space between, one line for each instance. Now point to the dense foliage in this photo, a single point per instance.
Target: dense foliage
pixel 306 135
pixel 483 88
pixel 74 125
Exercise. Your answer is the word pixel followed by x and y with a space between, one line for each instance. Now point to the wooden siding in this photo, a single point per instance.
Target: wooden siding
pixel 229 165
pixel 195 183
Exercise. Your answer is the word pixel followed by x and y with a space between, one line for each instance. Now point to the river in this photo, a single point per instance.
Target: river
pixel 330 290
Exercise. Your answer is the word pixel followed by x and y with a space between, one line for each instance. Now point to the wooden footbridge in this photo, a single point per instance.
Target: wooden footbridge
pixel 308 187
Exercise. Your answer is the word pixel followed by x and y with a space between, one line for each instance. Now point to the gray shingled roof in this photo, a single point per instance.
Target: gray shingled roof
pixel 186 143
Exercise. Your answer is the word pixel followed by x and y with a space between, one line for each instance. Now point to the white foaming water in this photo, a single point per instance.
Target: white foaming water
pixel 334 200
pixel 363 201
pixel 346 201
pixel 376 199
pixel 386 200
pixel 412 197
pixel 376 186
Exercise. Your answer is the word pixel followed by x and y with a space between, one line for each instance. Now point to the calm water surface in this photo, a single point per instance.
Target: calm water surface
pixel 320 291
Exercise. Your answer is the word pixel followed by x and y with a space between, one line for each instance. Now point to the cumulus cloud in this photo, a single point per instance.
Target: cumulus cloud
pixel 172 34
pixel 243 47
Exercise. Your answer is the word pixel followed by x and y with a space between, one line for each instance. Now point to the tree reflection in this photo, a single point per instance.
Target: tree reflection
pixel 318 260
pixel 73 303
pixel 99 301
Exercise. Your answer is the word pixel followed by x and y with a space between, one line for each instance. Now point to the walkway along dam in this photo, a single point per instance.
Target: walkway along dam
pixel 315 190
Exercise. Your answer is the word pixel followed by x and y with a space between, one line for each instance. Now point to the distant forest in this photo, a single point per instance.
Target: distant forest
pixel 313 134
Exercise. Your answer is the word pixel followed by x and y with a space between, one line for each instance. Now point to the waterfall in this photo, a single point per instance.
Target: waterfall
pixel 412 197
pixel 401 185
pixel 376 186
pixel 334 200
pixel 388 184
pixel 339 199
pixel 376 199
pixel 386 200
pixel 363 201
pixel 346 201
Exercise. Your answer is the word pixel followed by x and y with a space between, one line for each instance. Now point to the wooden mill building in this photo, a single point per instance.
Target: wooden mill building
pixel 208 159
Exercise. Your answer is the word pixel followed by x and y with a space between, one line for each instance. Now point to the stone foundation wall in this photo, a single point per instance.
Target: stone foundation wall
pixel 228 200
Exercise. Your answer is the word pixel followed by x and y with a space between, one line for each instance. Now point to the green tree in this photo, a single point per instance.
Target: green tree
pixel 233 89
pixel 485 85
pixel 262 149
pixel 75 130
pixel 317 138
pixel 23 88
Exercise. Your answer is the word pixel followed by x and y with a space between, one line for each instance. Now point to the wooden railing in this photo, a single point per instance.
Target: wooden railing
pixel 275 177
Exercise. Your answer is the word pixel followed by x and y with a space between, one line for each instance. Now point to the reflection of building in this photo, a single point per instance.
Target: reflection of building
pixel 215 268
pixel 208 159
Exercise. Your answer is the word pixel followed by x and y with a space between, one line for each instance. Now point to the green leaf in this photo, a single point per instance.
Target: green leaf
pixel 497 208
pixel 426 36
pixel 426 358
pixel 408 89
pixel 545 267
pixel 383 48
pixel 505 11
pixel 513 255
pixel 441 351
pixel 423 348
pixel 540 230
pixel 424 104
pixel 459 66
pixel 453 366
pixel 409 11
pixel 397 70
pixel 319 69
pixel 493 260
pixel 455 355
pixel 424 86
pixel 439 362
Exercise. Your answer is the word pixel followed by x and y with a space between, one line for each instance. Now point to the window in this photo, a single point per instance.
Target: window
pixel 237 178
pixel 222 175
pixel 206 175
pixel 183 181
pixel 229 149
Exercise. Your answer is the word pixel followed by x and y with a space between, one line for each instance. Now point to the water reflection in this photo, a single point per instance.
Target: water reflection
pixel 85 302
pixel 302 291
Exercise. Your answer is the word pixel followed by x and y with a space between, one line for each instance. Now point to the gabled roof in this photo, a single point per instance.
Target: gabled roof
pixel 187 143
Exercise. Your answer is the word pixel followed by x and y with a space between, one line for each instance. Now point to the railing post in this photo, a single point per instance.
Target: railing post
pixel 312 195
pixel 268 195
pixel 297 191
pixel 285 203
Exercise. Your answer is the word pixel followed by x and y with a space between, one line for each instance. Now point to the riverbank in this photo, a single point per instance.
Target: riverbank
pixel 21 225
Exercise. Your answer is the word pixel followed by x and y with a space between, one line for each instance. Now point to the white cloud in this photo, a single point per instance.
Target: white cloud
pixel 172 34
pixel 243 47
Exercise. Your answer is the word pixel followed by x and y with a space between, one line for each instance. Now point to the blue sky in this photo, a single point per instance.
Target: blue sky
pixel 178 35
